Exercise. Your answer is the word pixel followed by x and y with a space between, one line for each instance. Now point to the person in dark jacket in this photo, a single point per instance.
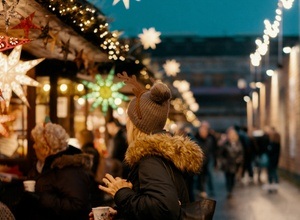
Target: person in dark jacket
pixel 207 143
pixel 155 187
pixel 231 158
pixel 62 189
pixel 273 152
pixel 119 146
pixel 86 141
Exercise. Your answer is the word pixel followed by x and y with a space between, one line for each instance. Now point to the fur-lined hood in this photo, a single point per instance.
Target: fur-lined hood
pixel 69 157
pixel 77 160
pixel 184 153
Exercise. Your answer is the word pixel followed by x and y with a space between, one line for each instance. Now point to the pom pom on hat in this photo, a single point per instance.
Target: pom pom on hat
pixel 149 111
pixel 160 93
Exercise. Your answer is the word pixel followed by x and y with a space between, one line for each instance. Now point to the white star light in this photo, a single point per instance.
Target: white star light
pixel 171 67
pixel 150 38
pixel 126 3
pixel 13 74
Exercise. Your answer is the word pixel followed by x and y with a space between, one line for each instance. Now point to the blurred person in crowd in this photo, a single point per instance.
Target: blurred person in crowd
pixel 273 152
pixel 63 179
pixel 86 140
pixel 248 153
pixel 231 153
pixel 119 143
pixel 261 141
pixel 208 145
pixel 187 131
pixel 155 187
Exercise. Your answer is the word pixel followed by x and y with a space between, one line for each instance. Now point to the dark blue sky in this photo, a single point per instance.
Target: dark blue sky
pixel 198 17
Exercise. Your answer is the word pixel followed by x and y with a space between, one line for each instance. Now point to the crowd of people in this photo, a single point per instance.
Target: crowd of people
pixel 148 173
pixel 236 153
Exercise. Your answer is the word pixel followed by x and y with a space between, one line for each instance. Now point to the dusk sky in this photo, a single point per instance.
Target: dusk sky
pixel 198 17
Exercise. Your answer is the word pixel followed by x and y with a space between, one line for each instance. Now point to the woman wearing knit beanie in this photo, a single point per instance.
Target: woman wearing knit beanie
pixel 155 187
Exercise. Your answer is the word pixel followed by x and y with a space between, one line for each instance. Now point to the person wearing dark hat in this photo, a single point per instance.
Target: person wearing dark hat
pixel 155 187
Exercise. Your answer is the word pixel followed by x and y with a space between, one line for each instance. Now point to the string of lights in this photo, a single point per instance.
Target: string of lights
pixel 89 22
pixel 271 31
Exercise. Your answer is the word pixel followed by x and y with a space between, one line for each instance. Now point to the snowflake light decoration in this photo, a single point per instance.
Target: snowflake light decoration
pixel 149 38
pixel 171 67
pixel 13 74
pixel 105 92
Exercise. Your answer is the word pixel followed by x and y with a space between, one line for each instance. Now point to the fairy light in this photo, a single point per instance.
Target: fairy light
pixel 86 19
pixel 271 30
pixel 46 87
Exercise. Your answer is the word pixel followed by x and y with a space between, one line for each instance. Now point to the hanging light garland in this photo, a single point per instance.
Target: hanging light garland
pixel 271 31
pixel 188 104
pixel 91 23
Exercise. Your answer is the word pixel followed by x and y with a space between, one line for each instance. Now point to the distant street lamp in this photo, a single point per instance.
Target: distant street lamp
pixel 242 85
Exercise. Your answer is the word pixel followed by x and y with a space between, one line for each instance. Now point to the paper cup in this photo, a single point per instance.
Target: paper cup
pixel 29 185
pixel 101 213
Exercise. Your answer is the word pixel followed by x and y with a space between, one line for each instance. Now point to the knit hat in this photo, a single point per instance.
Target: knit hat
pixel 149 110
pixel 51 136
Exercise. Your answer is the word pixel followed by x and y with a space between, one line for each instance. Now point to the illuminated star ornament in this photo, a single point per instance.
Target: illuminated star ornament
pixel 171 67
pixel 4 117
pixel 149 38
pixel 13 74
pixel 126 3
pixel 105 92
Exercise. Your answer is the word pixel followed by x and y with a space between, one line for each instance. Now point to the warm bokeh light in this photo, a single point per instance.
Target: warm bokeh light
pixel 46 87
pixel 63 87
pixel 80 87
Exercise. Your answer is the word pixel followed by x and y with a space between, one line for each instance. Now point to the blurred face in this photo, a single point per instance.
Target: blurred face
pixel 203 131
pixel 40 151
pixel 232 135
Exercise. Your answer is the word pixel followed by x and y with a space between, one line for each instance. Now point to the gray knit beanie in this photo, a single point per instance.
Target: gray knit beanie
pixel 149 110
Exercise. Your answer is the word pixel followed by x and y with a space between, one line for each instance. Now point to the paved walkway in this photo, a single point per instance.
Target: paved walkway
pixel 251 202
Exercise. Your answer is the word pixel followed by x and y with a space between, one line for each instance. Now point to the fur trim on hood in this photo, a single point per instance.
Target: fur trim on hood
pixel 185 154
pixel 77 160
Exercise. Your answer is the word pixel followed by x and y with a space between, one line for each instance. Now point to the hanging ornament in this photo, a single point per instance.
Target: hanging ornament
pixel 171 67
pixel 65 49
pixel 7 42
pixel 126 3
pixel 13 74
pixel 9 12
pixel 79 59
pixel 105 92
pixel 4 117
pixel 149 38
pixel 26 24
pixel 45 34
